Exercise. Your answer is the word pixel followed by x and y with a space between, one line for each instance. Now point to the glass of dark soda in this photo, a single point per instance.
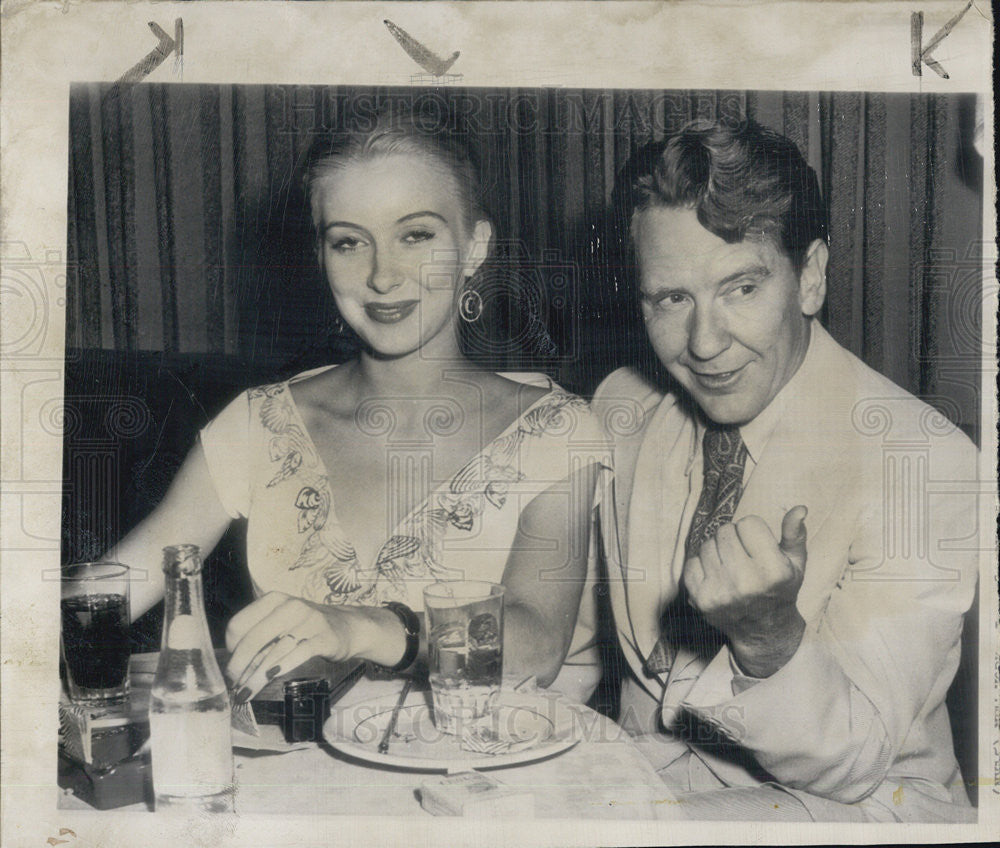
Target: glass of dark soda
pixel 95 632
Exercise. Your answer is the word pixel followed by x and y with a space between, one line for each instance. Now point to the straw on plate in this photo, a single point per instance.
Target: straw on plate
pixel 383 746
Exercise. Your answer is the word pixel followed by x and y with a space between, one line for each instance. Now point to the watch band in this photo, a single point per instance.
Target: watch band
pixel 411 627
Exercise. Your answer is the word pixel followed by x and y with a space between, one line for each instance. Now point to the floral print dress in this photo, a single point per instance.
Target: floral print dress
pixel 266 468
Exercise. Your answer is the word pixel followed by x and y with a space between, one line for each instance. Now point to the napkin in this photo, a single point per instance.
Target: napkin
pixel 242 717
pixel 269 738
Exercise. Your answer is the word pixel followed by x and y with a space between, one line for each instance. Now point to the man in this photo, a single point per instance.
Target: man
pixel 790 538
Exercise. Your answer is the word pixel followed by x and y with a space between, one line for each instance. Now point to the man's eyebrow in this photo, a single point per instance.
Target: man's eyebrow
pixel 421 214
pixel 751 271
pixel 657 293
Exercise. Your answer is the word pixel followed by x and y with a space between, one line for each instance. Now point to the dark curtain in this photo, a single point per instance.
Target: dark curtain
pixel 188 234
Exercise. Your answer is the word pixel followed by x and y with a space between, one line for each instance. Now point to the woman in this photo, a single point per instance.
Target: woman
pixel 364 482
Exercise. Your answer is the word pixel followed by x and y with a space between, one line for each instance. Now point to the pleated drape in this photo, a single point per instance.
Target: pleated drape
pixel 188 234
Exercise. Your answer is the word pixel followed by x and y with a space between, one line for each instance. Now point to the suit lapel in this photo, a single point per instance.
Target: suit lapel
pixel 803 462
pixel 627 404
pixel 792 472
pixel 659 491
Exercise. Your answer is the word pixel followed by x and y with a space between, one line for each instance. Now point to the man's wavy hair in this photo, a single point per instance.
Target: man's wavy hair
pixel 743 182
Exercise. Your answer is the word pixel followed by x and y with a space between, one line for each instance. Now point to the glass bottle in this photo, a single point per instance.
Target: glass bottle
pixel 189 710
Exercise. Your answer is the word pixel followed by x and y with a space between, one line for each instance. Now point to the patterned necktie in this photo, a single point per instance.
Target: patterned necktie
pixel 681 625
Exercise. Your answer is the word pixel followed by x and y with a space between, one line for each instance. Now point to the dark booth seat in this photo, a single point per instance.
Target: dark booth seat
pixel 130 419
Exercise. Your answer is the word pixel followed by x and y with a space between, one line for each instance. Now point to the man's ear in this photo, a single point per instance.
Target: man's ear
pixel 812 278
pixel 479 247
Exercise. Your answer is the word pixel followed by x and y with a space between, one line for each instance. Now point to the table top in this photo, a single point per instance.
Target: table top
pixel 604 776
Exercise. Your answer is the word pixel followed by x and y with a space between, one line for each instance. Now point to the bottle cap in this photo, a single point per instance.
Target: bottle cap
pixel 306 686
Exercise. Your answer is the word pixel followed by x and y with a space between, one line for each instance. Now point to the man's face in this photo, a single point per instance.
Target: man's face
pixel 728 321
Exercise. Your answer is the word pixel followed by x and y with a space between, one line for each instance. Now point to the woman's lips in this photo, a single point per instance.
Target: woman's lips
pixel 390 313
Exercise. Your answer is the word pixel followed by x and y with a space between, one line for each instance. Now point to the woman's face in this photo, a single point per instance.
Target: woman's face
pixel 394 246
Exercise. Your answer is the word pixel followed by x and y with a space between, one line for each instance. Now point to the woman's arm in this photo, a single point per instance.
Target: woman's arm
pixel 189 514
pixel 545 575
pixel 544 578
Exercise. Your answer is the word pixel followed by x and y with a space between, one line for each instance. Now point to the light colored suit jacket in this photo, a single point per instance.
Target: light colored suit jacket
pixel 893 554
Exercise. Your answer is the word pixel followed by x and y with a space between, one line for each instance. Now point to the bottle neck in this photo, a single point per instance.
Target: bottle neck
pixel 185 623
pixel 184 594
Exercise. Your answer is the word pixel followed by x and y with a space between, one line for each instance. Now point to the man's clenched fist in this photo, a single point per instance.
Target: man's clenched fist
pixel 745 583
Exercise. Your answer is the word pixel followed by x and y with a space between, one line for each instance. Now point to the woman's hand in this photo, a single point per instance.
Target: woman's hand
pixel 277 633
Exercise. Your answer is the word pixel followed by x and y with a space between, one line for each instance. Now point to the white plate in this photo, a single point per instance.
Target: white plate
pixel 529 727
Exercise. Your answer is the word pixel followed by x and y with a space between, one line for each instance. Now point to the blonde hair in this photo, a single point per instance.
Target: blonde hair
pixel 400 132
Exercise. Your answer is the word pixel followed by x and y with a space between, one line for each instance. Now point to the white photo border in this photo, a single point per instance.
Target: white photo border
pixel 47 46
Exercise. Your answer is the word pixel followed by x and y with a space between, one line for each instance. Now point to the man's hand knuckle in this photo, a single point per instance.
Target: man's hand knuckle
pixel 721 597
pixel 788 573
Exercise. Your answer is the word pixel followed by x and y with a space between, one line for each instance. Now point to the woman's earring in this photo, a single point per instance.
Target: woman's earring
pixel 470 306
pixel 339 328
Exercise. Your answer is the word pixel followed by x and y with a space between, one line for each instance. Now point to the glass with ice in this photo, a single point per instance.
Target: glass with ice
pixel 465 648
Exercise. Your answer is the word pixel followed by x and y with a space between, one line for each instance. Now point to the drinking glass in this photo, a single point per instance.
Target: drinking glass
pixel 95 632
pixel 465 648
